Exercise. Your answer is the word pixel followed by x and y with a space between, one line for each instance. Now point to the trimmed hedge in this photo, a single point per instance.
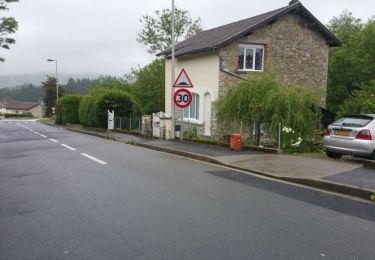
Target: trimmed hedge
pixel 27 114
pixel 68 109
pixel 94 106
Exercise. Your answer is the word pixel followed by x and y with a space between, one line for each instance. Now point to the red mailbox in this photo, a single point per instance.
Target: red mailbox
pixel 236 142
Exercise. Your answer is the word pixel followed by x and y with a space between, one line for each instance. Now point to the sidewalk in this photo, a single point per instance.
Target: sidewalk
pixel 350 178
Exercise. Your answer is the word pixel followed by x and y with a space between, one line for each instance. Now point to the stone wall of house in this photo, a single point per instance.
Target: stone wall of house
pixel 297 54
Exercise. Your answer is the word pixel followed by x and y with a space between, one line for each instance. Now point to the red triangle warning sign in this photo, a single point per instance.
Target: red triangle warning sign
pixel 183 80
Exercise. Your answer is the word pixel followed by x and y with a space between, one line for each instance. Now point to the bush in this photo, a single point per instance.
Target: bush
pixel 58 113
pixel 362 101
pixel 94 106
pixel 68 109
pixel 263 99
pixel 27 114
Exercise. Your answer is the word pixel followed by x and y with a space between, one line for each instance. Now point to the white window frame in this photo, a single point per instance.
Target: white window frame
pixel 254 46
pixel 195 102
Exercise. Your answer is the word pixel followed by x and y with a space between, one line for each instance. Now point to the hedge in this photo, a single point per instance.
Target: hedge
pixel 68 109
pixel 94 106
pixel 27 114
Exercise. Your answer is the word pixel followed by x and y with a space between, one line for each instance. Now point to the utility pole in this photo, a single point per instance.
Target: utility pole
pixel 173 74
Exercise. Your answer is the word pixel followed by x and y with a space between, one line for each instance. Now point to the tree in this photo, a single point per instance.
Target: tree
pixel 263 99
pixel 110 82
pixel 362 101
pixel 148 86
pixel 354 63
pixel 8 25
pixel 49 88
pixel 157 30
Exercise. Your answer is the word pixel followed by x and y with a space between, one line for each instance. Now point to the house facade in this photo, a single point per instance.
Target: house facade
pixel 20 108
pixel 290 41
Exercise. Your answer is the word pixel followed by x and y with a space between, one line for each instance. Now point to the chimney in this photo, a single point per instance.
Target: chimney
pixel 293 2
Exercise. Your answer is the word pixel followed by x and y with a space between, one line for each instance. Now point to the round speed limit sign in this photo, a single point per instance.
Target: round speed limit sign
pixel 182 98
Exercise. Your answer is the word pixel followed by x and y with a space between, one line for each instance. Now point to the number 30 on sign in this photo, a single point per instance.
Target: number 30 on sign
pixel 182 98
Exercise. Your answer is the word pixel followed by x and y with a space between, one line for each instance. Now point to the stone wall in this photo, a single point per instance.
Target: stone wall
pixel 297 54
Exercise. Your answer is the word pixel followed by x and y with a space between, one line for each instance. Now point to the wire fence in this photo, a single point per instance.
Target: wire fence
pixel 129 124
pixel 269 136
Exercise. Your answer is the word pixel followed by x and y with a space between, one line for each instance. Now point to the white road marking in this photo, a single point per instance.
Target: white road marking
pixel 68 147
pixel 36 132
pixel 43 136
pixel 53 140
pixel 94 159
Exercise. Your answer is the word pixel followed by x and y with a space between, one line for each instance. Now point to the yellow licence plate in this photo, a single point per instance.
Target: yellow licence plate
pixel 343 132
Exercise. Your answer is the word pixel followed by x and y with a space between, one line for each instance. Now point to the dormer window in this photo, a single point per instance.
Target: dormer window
pixel 251 57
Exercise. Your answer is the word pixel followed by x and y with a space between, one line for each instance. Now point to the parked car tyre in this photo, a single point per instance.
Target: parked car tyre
pixel 333 155
pixel 372 157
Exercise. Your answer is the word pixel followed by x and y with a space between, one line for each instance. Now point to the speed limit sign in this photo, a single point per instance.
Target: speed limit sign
pixel 182 98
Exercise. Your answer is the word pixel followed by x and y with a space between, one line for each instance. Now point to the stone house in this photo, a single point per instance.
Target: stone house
pixel 289 39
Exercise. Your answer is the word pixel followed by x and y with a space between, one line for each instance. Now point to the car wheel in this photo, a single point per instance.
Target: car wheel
pixel 372 156
pixel 333 155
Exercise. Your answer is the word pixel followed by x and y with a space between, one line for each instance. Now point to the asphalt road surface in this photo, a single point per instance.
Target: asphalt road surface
pixel 65 195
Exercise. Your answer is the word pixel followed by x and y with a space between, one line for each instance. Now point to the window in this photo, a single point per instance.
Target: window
pixel 192 112
pixel 251 58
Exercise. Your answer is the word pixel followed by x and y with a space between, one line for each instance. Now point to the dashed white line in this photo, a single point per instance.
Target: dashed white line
pixel 36 132
pixel 53 140
pixel 43 136
pixel 68 147
pixel 94 159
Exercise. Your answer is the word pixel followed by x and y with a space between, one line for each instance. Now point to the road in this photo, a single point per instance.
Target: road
pixel 65 195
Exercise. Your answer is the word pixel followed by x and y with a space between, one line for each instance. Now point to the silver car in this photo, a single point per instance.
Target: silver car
pixel 351 135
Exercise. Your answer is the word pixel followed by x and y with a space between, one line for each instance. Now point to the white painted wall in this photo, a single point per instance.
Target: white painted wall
pixel 203 71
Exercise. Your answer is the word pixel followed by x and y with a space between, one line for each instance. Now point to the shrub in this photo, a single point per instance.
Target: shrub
pixel 263 99
pixel 58 113
pixel 70 108
pixel 94 106
pixel 27 114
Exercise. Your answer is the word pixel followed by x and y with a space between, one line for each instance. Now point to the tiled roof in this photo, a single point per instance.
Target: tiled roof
pixel 223 35
pixel 20 105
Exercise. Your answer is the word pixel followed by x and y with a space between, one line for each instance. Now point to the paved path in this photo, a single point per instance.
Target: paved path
pixel 279 165
pixel 127 202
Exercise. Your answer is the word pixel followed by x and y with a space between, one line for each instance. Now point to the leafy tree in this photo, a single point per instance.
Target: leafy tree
pixel 362 101
pixel 109 82
pixel 263 99
pixel 148 86
pixel 8 26
pixel 49 88
pixel 157 30
pixel 353 64
pixel 78 85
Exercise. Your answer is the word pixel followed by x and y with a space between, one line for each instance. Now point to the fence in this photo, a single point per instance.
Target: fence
pixel 269 136
pixel 129 124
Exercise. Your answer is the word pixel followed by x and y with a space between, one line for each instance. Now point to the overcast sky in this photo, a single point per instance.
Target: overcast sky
pixel 96 36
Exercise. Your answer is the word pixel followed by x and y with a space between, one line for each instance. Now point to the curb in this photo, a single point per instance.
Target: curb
pixel 369 164
pixel 319 184
pixel 90 133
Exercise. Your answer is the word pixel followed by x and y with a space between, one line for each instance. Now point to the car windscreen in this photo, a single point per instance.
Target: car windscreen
pixel 353 121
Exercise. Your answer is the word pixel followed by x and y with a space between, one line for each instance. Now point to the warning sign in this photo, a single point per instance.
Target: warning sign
pixel 183 80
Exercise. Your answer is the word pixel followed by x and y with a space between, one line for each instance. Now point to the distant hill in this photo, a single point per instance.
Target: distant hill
pixel 7 81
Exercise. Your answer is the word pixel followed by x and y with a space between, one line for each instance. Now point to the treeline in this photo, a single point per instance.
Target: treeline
pixel 30 92
pixel 140 92
pixel 27 92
